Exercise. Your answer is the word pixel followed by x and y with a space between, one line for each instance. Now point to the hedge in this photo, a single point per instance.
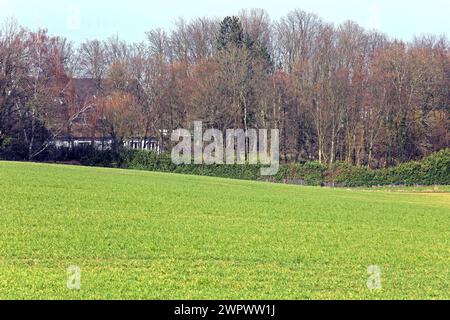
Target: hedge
pixel 433 170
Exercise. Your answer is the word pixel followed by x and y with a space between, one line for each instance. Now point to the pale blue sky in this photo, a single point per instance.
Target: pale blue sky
pixel 87 19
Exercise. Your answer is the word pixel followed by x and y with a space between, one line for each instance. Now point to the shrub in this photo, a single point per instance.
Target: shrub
pixel 434 169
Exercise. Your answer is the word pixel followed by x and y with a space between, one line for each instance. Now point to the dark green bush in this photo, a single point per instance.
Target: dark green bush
pixel 433 170
pixel 13 149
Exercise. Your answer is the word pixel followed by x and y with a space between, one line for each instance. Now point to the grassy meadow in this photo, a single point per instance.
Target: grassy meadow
pixel 143 235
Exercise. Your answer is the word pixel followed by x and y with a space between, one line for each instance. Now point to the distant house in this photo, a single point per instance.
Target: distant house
pixel 86 130
pixel 149 144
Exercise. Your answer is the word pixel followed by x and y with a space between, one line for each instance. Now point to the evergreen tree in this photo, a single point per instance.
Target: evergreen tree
pixel 230 33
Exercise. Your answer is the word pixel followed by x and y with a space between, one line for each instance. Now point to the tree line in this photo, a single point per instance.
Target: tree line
pixel 337 93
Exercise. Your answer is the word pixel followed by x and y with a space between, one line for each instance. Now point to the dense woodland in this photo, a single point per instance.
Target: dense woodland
pixel 337 93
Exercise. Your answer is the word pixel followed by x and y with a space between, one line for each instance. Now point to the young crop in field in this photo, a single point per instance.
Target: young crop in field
pixel 87 233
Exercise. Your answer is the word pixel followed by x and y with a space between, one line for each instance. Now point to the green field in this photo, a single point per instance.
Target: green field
pixel 160 236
